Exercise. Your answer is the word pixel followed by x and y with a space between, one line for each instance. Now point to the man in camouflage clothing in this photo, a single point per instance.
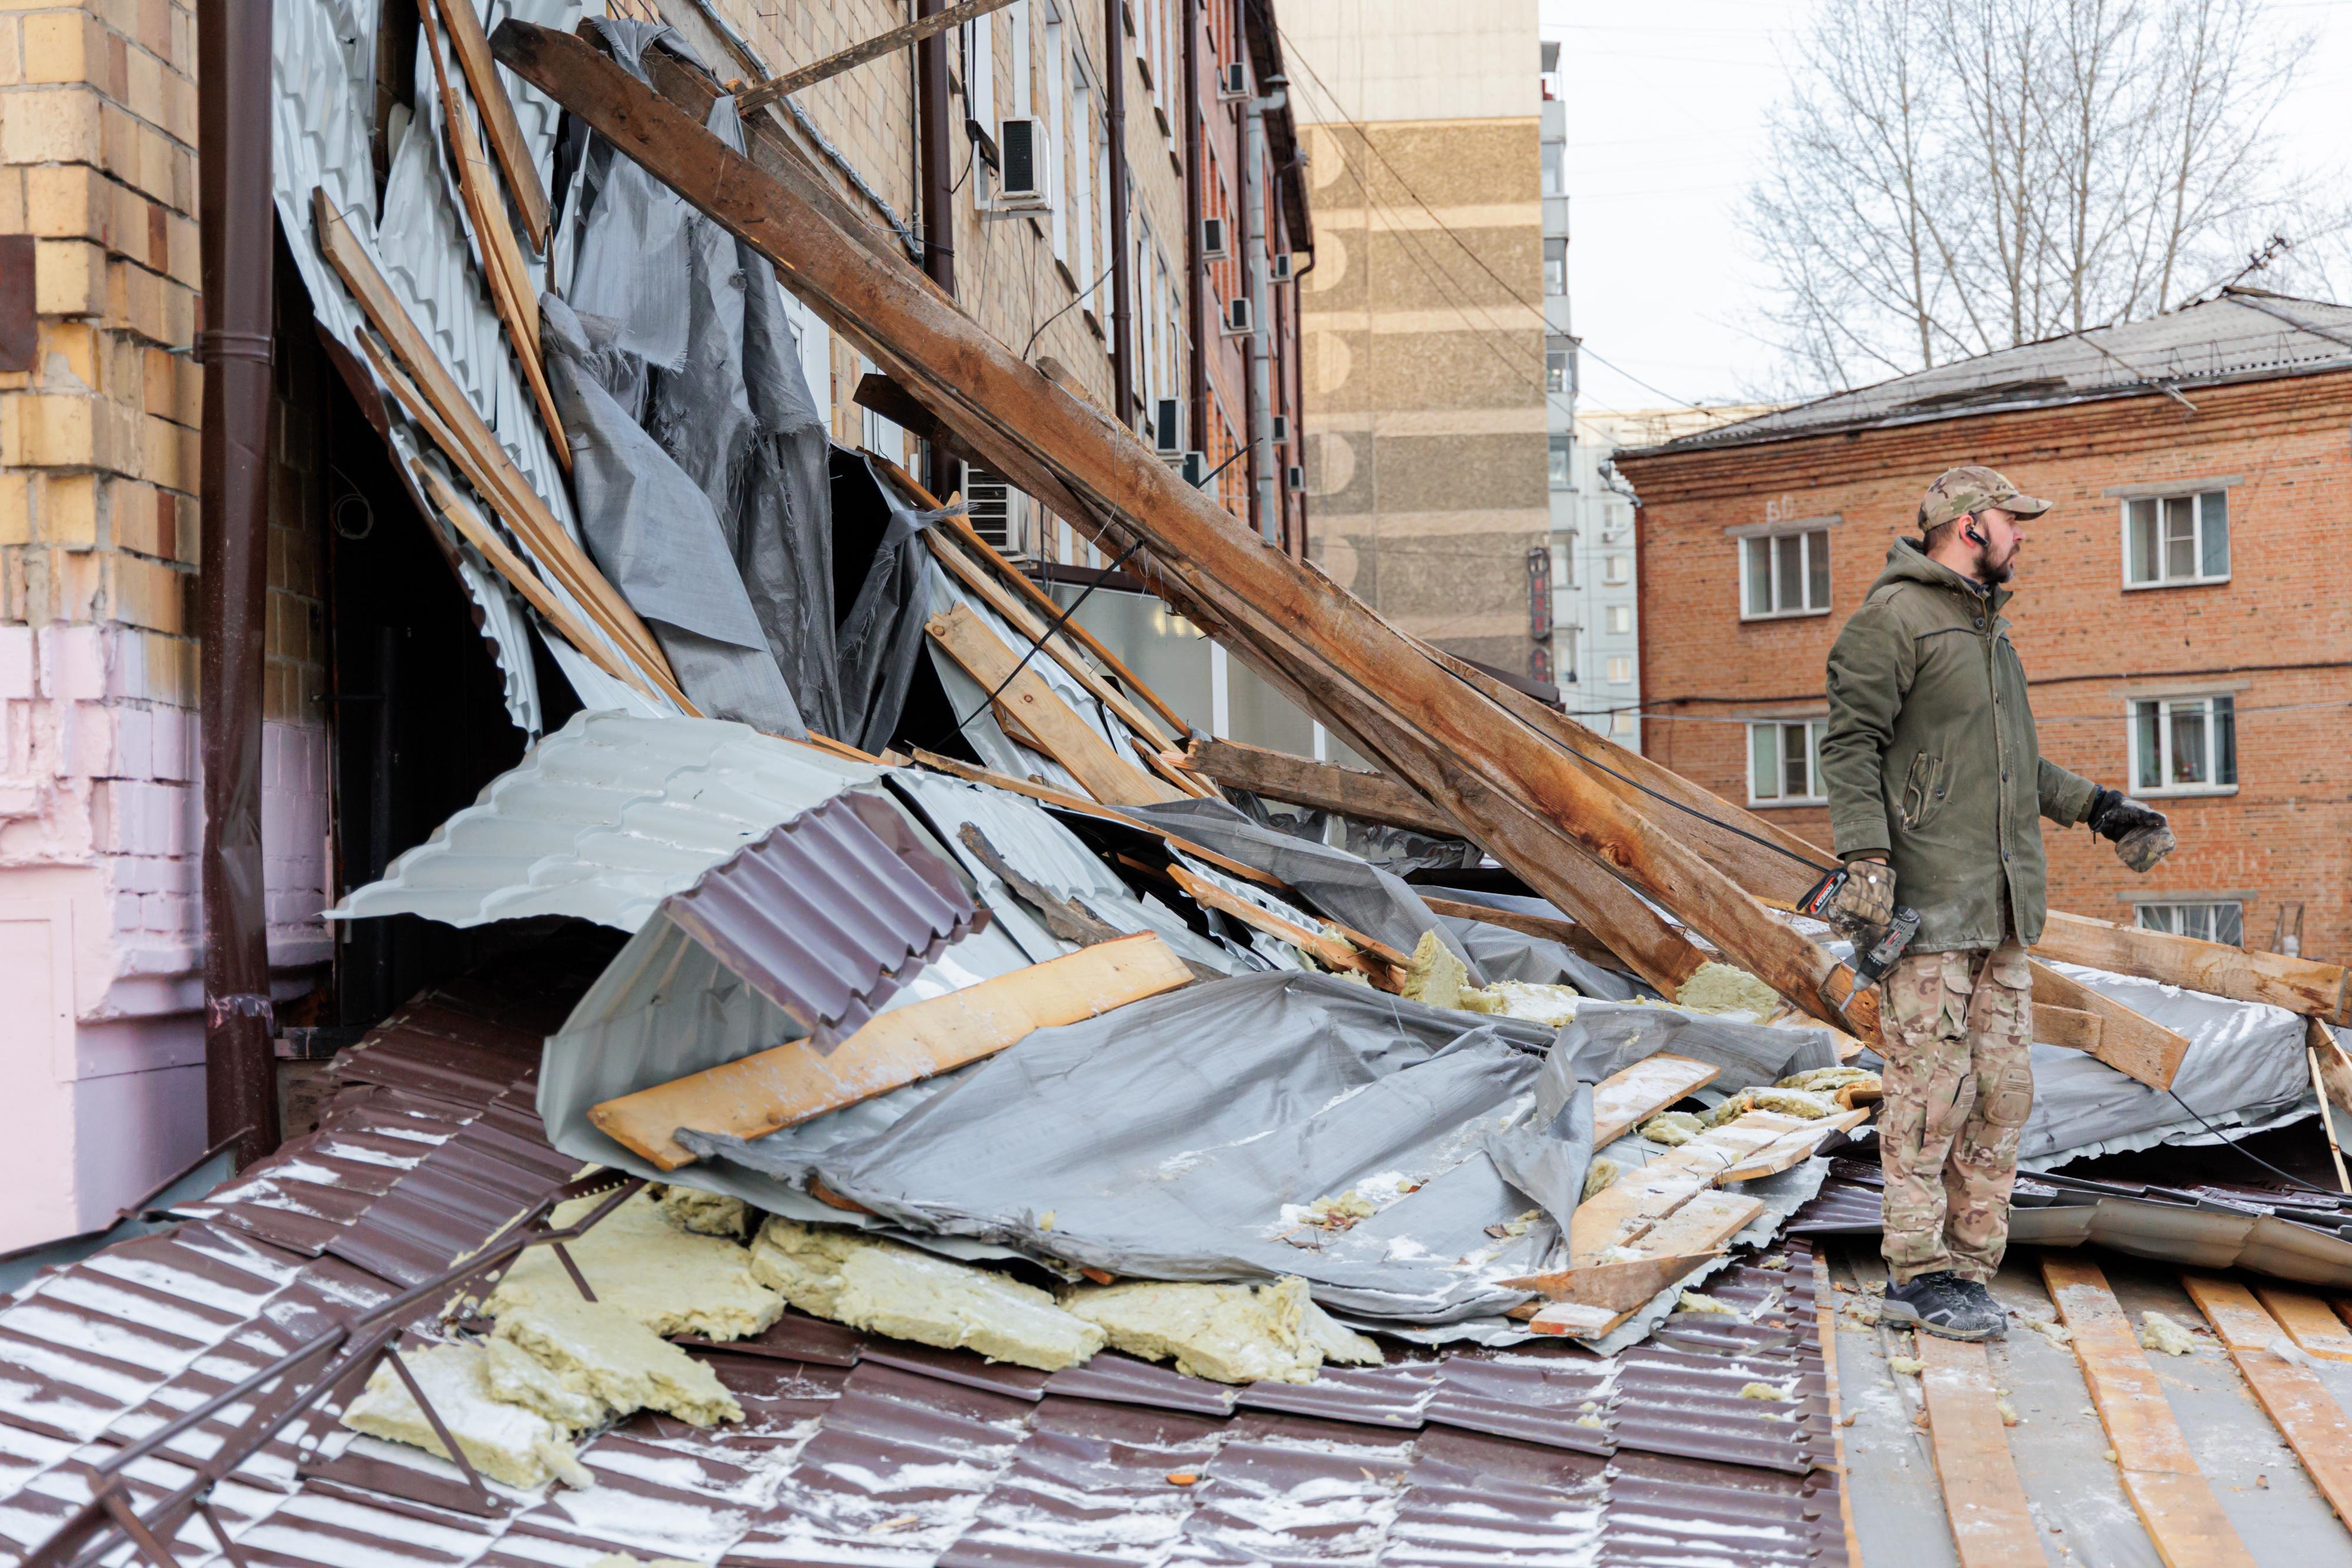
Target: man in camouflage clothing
pixel 1935 784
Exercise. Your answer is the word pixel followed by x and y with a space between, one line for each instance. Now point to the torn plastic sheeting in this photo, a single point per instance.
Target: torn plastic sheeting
pixel 1395 850
pixel 1035 843
pixel 880 638
pixel 1181 1137
pixel 1606 1038
pixel 826 915
pixel 706 363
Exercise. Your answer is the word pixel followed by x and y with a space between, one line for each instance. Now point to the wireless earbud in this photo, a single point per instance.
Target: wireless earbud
pixel 1970 534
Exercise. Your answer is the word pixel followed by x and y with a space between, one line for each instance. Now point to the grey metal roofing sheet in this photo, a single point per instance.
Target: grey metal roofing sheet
pixel 2223 339
pixel 830 912
pixel 603 820
pixel 860 1448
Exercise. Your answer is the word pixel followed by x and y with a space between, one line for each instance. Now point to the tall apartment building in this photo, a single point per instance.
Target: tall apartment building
pixel 1426 335
pixel 2182 637
pixel 1048 108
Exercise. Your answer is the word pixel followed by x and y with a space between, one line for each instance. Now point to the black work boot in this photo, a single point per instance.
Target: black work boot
pixel 1945 1305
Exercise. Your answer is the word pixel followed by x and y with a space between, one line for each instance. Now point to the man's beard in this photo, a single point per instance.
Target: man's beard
pixel 1997 574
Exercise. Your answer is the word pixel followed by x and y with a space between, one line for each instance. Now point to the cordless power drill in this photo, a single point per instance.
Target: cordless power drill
pixel 1875 947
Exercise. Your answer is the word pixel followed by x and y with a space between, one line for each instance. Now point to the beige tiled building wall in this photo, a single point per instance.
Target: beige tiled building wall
pixel 1424 323
pixel 100 815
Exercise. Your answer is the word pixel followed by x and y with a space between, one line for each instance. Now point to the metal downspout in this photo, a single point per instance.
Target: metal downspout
pixel 938 195
pixel 238 259
pixel 1122 283
pixel 1196 287
pixel 1264 472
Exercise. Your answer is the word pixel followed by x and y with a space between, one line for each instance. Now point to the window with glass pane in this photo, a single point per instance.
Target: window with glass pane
pixel 1617 568
pixel 2220 920
pixel 1560 453
pixel 2177 539
pixel 1621 670
pixel 2184 743
pixel 1784 762
pixel 1785 574
pixel 1621 620
pixel 1556 363
pixel 1555 267
pixel 1555 181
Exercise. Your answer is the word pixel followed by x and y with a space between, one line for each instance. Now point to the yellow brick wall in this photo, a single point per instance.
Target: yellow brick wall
pixel 98 130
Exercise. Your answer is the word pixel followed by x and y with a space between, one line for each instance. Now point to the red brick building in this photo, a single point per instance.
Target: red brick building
pixel 2181 611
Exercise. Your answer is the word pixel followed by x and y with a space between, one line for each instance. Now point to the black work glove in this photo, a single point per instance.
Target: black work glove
pixel 2140 833
pixel 1866 902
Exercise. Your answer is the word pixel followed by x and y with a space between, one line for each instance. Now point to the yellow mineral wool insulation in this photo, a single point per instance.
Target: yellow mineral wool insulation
pixel 1673 1128
pixel 1828 1079
pixel 514 1375
pixel 1721 989
pixel 670 1281
pixel 704 1212
pixel 505 1442
pixel 602 1351
pixel 1794 1102
pixel 895 1289
pixel 1435 975
pixel 1228 1333
pixel 1339 1213
pixel 2160 1333
pixel 1599 1176
pixel 1537 1003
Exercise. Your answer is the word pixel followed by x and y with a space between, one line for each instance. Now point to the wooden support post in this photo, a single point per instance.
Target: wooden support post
pixel 507 139
pixel 1302 781
pixel 883 43
pixel 976 385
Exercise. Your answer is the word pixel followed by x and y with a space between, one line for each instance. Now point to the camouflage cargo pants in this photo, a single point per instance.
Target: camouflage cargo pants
pixel 1957 1031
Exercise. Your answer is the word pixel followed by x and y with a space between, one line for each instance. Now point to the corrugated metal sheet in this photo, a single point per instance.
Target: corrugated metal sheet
pixel 2220 341
pixel 828 913
pixel 857 1448
pixel 603 820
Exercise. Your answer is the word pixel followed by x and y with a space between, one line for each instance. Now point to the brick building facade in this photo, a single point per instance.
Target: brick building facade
pixel 2184 637
pixel 101 805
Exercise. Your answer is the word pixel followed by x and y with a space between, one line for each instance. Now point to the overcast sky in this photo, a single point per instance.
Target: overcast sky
pixel 1665 111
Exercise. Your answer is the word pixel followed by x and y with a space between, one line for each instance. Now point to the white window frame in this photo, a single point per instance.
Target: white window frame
pixel 1057 122
pixel 1082 168
pixel 1621 663
pixel 1559 471
pixel 2180 915
pixel 2164 711
pixel 980 94
pixel 1616 569
pixel 1620 620
pixel 1813 538
pixel 1024 61
pixel 1812 727
pixel 2207 507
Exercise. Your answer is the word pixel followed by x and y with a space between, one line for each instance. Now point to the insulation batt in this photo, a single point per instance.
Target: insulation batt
pixel 1228 1333
pixel 1599 1176
pixel 1673 1128
pixel 2158 1331
pixel 896 1290
pixel 601 1351
pixel 705 1213
pixel 1724 990
pixel 670 1281
pixel 516 1378
pixel 505 1442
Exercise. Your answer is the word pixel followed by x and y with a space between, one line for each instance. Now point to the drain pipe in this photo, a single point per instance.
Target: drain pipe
pixel 1196 287
pixel 1255 234
pixel 236 259
pixel 939 198
pixel 1122 285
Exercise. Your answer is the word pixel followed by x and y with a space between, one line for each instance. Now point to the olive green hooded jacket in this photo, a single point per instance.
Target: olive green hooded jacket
pixel 1930 757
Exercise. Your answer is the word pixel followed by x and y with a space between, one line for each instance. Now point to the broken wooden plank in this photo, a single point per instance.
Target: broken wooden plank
pixel 476 531
pixel 891 40
pixel 1023 692
pixel 2134 1045
pixel 507 139
pixel 2299 984
pixel 1331 952
pixel 2297 1400
pixel 1632 1095
pixel 1983 1500
pixel 1302 781
pixel 1620 1285
pixel 791 1083
pixel 1524 800
pixel 2308 1320
pixel 1791 1148
pixel 566 573
pixel 1702 1225
pixel 2069 1026
pixel 2175 1502
pixel 1576 938
pixel 1574 1318
pixel 511 294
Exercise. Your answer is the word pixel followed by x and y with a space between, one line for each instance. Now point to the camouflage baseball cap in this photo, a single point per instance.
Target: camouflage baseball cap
pixel 1959 491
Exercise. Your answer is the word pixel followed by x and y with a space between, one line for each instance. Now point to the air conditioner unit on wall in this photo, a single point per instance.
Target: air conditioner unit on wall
pixel 1021 148
pixel 1167 427
pixel 1294 478
pixel 1278 266
pixel 1237 316
pixel 998 512
pixel 1212 239
pixel 1232 81
pixel 1194 467
pixel 1281 429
